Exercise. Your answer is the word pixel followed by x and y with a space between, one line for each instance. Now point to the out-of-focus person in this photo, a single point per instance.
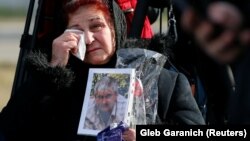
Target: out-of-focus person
pixel 220 30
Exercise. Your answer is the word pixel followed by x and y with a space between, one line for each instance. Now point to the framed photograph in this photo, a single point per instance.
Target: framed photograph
pixel 108 99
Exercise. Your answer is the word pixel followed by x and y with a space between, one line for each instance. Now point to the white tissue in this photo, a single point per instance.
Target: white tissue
pixel 80 45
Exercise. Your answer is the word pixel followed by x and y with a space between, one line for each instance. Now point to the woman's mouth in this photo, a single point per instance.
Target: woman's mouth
pixel 92 50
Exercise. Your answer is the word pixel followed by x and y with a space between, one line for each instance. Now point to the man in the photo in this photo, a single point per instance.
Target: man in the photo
pixel 107 105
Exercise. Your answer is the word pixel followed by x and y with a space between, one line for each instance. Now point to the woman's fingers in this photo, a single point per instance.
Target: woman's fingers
pixel 129 135
pixel 61 47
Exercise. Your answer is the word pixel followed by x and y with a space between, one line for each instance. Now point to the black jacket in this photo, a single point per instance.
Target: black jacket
pixel 49 106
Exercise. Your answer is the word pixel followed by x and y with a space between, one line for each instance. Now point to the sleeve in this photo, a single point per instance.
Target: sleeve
pixel 33 98
pixel 16 116
pixel 176 102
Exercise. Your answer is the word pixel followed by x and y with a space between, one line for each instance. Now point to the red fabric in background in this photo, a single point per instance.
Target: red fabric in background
pixel 125 5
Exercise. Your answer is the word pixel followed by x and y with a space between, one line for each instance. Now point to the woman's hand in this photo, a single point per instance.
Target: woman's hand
pixel 61 47
pixel 129 135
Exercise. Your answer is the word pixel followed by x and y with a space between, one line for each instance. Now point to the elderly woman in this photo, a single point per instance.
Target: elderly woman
pixel 48 107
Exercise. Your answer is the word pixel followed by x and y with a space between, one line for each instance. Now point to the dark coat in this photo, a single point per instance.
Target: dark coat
pixel 239 106
pixel 49 106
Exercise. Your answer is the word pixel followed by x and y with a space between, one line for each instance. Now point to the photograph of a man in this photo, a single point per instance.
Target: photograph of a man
pixel 106 106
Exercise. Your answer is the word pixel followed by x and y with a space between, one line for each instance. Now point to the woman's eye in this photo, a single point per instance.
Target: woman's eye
pixel 97 27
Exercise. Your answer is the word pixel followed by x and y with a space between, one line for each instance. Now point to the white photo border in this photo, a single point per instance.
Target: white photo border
pixel 92 72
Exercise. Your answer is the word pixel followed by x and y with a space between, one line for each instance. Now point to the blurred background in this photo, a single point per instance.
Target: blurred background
pixel 12 21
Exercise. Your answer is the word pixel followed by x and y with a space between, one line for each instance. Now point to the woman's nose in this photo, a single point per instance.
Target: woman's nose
pixel 89 37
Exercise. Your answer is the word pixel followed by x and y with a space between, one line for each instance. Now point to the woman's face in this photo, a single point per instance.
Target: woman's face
pixel 100 45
